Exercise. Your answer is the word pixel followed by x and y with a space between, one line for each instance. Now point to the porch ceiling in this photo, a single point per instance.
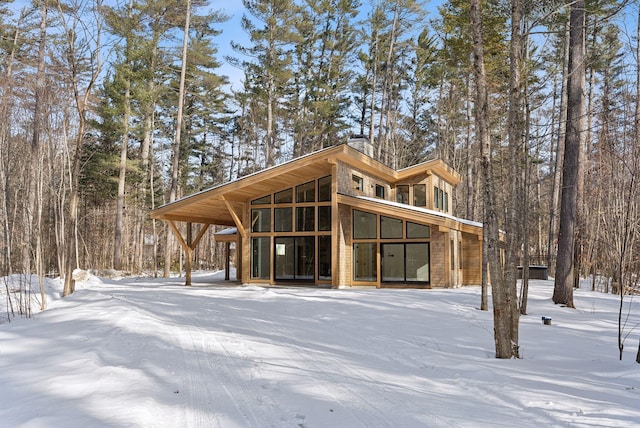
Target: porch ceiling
pixel 209 206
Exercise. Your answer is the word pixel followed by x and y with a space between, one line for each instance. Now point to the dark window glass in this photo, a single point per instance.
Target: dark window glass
pixel 392 262
pixel 285 258
pixel 305 257
pixel 436 198
pixel 324 257
pixel 453 254
pixel 295 258
pixel 420 195
pixel 324 218
pixel 284 197
pixel 402 194
pixel 265 200
pixel 260 257
pixel 358 183
pixel 261 220
pixel 459 254
pixel 390 228
pixel 306 192
pixel 380 191
pixel 364 225
pixel 417 262
pixel 446 202
pixel 305 219
pixel 441 203
pixel 416 231
pixel 364 262
pixel 324 189
pixel 283 219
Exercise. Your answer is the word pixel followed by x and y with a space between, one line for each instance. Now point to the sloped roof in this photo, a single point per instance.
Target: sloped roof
pixel 211 206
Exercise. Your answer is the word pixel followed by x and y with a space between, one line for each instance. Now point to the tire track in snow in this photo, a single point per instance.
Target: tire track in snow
pixel 354 390
pixel 234 382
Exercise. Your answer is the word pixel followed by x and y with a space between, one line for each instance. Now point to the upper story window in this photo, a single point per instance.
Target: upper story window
pixel 306 192
pixel 324 189
pixel 440 199
pixel 420 195
pixel 284 197
pixel 265 200
pixel 358 183
pixel 402 193
pixel 380 191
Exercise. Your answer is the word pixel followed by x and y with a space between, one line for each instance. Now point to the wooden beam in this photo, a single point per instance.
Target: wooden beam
pixel 178 235
pixel 203 230
pixel 236 218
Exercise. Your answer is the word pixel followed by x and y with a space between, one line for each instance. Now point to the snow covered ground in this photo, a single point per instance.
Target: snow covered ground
pixel 152 353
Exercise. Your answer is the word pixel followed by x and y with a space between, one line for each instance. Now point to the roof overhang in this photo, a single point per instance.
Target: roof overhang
pixel 411 213
pixel 223 204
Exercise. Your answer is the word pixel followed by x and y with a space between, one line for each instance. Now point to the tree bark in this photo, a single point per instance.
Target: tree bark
pixel 506 343
pixel 564 280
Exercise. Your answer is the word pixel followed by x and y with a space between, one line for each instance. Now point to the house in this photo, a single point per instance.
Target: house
pixel 338 218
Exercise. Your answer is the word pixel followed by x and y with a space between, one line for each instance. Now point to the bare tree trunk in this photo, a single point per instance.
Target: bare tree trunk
pixel 81 96
pixel 175 166
pixel 506 344
pixel 515 205
pixel 564 280
pixel 559 158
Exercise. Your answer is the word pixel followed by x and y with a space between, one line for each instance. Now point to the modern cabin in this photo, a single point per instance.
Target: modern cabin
pixel 338 218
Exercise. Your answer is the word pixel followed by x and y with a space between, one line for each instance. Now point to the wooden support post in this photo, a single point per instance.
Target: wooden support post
pixel 188 255
pixel 188 245
pixel 227 260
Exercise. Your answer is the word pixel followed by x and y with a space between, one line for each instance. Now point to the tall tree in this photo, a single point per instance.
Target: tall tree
pixel 83 55
pixel 506 342
pixel 268 67
pixel 575 133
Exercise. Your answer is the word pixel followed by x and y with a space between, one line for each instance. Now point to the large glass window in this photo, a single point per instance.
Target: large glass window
pixel 283 219
pixel 417 231
pixel 260 248
pixel 294 258
pixel 305 257
pixel 446 202
pixel 285 258
pixel 284 196
pixel 324 218
pixel 324 257
pixel 417 262
pixel 390 228
pixel 420 195
pixel 379 191
pixel 324 189
pixel 405 262
pixel 305 219
pixel 261 220
pixel 402 193
pixel 306 192
pixel 364 225
pixel 436 198
pixel 364 262
pixel 392 262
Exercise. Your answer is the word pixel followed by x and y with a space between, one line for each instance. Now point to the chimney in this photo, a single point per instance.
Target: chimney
pixel 362 144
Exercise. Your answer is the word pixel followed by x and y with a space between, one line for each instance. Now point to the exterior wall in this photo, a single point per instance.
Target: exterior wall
pixel 345 270
pixel 471 259
pixel 439 261
pixel 345 182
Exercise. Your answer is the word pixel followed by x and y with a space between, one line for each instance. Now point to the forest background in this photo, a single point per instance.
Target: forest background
pixel 93 133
